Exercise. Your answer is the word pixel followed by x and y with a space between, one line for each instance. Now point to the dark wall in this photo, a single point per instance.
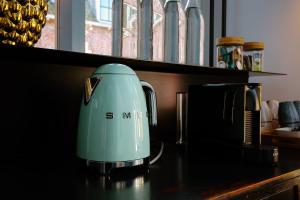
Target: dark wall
pixel 40 106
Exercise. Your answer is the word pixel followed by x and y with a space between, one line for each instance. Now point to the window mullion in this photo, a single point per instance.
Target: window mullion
pixel 70 25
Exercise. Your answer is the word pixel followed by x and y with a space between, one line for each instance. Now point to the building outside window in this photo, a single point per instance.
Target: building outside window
pixel 130 29
pixel 158 30
pixel 106 10
pixel 98 26
pixel 129 16
pixel 47 39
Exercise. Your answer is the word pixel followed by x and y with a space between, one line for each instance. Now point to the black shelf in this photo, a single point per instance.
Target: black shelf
pixel 254 73
pixel 50 56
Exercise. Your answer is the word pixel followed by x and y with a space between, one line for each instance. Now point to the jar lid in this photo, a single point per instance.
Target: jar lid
pixel 248 46
pixel 227 41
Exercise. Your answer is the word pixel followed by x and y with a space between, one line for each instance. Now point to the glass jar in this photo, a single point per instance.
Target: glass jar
pixel 230 53
pixel 253 56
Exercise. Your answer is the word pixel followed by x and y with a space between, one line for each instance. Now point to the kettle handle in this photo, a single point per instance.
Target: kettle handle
pixel 151 102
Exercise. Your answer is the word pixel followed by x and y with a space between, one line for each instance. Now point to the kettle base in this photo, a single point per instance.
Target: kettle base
pixel 106 167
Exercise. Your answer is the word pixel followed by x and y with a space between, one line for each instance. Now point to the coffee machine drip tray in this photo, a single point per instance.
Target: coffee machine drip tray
pixel 106 167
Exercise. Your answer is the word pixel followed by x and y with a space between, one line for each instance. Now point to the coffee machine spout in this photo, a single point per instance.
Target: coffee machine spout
pixel 252 101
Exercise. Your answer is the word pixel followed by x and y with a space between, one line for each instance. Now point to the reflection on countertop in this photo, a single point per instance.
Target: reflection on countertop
pixel 102 187
pixel 175 176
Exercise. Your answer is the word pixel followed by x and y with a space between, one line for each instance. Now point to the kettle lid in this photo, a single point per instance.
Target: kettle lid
pixel 114 68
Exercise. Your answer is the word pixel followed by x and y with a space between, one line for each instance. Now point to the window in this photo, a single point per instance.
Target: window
pixel 47 39
pixel 99 10
pixel 97 35
pixel 156 18
pixel 106 10
pixel 158 30
pixel 182 36
pixel 98 26
pixel 129 16
pixel 130 29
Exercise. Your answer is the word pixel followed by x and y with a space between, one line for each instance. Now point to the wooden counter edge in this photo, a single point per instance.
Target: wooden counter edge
pixel 262 184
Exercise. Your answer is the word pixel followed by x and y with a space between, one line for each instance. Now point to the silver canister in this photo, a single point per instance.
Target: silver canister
pixel 194 33
pixel 117 24
pixel 145 30
pixel 181 117
pixel 171 31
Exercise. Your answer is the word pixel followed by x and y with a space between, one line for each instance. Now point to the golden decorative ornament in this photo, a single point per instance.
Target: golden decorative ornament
pixel 21 21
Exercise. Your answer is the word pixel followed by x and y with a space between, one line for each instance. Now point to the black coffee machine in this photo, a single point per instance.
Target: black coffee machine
pixel 224 119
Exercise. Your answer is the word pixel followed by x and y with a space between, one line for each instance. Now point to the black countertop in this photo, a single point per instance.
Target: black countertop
pixel 175 176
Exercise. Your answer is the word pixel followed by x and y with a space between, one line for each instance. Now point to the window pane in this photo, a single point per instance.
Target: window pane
pixel 104 14
pixel 130 29
pixel 110 15
pixel 47 39
pixel 182 25
pixel 98 27
pixel 104 3
pixel 158 30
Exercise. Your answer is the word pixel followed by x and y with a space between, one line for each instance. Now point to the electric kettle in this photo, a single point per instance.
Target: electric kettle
pixel 114 119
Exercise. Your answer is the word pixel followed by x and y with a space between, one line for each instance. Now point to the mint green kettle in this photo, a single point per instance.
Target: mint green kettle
pixel 113 129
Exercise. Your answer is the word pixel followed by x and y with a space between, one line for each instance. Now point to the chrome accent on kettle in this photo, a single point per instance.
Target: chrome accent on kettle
pixel 106 167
